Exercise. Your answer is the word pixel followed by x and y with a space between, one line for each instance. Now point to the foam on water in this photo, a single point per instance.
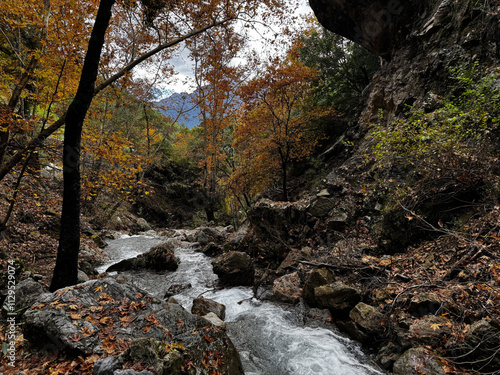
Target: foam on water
pixel 270 338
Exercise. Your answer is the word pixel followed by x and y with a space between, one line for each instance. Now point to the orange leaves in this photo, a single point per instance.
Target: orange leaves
pixel 275 125
pixel 98 289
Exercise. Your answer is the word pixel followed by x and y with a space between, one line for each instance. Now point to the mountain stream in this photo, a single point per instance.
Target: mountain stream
pixel 271 338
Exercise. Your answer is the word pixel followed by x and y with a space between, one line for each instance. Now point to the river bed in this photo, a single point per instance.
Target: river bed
pixel 271 338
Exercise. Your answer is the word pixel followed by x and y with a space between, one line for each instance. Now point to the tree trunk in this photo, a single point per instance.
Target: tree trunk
pixel 66 270
pixel 285 183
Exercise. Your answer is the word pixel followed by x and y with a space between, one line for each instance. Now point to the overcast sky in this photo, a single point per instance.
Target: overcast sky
pixel 183 66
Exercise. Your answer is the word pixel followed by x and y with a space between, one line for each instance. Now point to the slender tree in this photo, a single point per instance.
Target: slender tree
pixel 66 270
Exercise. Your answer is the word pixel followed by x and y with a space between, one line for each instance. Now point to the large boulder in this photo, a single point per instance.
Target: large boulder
pixel 234 268
pixel 337 297
pixel 205 235
pixel 272 224
pixel 203 306
pixel 418 361
pixel 287 288
pixel 322 206
pixel 367 318
pixel 159 258
pixel 430 330
pixel 316 278
pixel 100 315
pixel 27 292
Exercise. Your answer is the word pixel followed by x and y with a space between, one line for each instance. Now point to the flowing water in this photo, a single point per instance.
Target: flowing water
pixel 271 338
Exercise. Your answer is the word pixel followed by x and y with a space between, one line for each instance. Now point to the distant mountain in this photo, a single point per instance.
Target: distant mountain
pixel 180 106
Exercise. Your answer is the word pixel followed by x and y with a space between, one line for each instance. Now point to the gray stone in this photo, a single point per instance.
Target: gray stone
pixel 52 323
pixel 143 225
pixel 317 277
pixel 205 235
pixel 322 206
pixel 418 361
pixel 122 279
pixel 203 306
pixel 215 320
pixel 108 365
pixel 338 221
pixel 367 317
pixel 287 288
pixel 27 293
pixel 158 258
pixel 82 277
pixel 323 193
pixel 429 330
pixel 337 297
pixel 234 268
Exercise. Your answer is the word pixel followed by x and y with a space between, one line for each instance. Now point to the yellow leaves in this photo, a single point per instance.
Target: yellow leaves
pixel 57 305
pixel 435 326
pixel 98 289
pixel 39 307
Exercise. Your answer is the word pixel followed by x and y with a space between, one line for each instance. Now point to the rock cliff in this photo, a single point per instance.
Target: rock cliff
pixel 416 40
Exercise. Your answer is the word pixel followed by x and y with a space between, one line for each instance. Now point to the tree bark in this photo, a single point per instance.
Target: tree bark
pixel 66 269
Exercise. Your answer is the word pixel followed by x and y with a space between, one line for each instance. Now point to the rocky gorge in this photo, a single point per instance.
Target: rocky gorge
pixel 402 258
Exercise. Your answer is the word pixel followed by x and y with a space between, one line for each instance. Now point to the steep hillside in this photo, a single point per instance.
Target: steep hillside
pixel 401 240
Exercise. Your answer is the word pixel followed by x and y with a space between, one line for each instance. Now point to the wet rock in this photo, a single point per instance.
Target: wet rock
pixel 424 304
pixel 287 288
pixel 429 330
pixel 234 268
pixel 143 225
pixel 203 306
pixel 82 277
pixel 367 318
pixel 205 235
pixel 52 323
pixel 212 250
pixel 315 317
pixel 159 258
pixel 215 320
pixel 417 361
pixel 337 297
pixel 108 366
pixel 316 278
pixel 121 279
pixel 176 289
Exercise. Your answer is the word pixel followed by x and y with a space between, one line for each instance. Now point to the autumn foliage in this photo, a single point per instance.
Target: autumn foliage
pixel 276 126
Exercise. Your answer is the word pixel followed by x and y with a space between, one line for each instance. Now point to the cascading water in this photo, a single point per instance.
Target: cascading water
pixel 270 338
